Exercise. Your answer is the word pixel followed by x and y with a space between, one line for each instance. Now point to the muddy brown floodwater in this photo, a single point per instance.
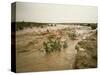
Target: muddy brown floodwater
pixel 30 55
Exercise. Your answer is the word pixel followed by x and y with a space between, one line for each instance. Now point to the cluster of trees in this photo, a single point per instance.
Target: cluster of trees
pixel 22 25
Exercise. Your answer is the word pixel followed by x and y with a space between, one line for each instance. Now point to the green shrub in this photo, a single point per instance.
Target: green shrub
pixel 53 45
pixel 93 26
pixel 72 35
pixel 65 45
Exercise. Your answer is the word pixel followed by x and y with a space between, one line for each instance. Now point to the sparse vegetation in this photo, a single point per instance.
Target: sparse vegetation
pixel 93 26
pixel 72 34
pixel 65 45
pixel 53 45
pixel 22 25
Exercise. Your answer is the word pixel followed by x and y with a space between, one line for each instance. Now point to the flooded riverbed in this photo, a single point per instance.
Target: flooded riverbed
pixel 31 54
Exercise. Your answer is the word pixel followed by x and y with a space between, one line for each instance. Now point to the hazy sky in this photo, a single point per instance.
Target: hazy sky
pixel 36 12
